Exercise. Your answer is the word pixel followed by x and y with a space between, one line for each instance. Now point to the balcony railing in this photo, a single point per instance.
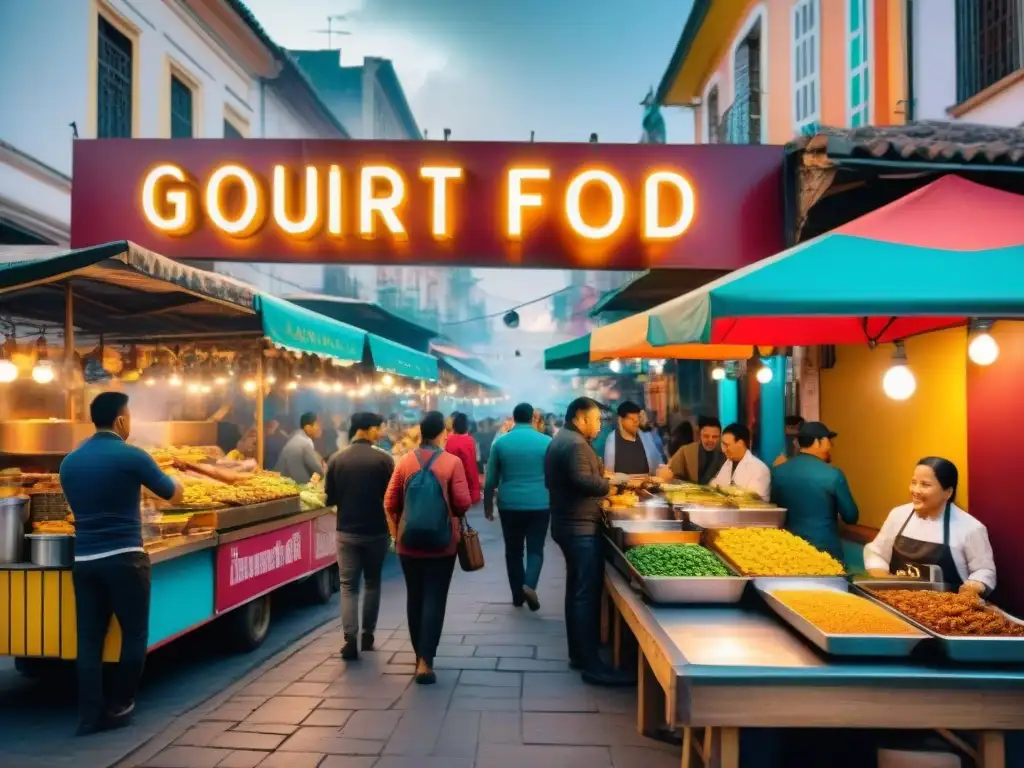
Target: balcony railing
pixel 738 126
pixel 989 43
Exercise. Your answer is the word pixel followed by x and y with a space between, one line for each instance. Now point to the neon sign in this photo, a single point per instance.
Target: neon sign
pixel 372 201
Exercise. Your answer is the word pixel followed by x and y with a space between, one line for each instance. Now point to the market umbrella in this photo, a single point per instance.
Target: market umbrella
pixel 948 252
pixel 598 347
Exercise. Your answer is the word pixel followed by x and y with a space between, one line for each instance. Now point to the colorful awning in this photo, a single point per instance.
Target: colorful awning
pixel 948 252
pixel 617 342
pixel 391 357
pixel 302 330
pixel 467 372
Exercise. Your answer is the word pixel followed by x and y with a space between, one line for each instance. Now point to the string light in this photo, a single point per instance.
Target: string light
pixel 387 380
pixel 615 366
pixel 898 382
pixel 718 372
pixel 765 373
pixel 983 349
pixel 249 386
pixel 174 380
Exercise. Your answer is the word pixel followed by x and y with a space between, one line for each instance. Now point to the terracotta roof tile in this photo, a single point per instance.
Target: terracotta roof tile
pixel 924 141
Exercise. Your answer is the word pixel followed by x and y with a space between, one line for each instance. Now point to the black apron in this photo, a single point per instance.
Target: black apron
pixel 907 553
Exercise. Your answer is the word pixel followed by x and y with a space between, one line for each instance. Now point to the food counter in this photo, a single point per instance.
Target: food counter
pixel 719 669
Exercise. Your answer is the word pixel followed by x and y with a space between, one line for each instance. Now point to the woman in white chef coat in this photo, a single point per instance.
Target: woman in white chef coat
pixel 933 530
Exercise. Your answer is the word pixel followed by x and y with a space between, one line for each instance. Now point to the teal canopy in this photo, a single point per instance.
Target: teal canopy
pixel 302 330
pixel 568 355
pixel 478 377
pixel 391 357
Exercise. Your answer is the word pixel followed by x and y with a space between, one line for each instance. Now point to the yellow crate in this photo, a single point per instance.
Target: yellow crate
pixel 37 617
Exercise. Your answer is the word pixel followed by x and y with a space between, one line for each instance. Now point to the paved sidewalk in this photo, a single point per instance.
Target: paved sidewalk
pixel 504 696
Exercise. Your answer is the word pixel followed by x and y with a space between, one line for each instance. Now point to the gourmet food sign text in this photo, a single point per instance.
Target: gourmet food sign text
pixel 567 205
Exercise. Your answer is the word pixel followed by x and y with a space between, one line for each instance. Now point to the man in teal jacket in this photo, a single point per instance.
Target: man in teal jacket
pixel 814 492
pixel 516 472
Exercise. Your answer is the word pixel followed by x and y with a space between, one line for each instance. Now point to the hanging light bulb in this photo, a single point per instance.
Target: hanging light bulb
pixel 323 386
pixel 249 385
pixel 898 382
pixel 206 389
pixel 765 373
pixel 292 386
pixel 194 389
pixel 983 349
pixel 615 366
pixel 718 372
pixel 452 389
pixel 43 372
pixel 338 387
pixel 387 380
pixel 174 380
pixel 150 382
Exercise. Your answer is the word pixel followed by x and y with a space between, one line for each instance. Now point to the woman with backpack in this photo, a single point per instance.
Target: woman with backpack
pixel 426 498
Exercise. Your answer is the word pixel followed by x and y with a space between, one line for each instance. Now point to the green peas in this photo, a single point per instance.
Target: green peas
pixel 675 560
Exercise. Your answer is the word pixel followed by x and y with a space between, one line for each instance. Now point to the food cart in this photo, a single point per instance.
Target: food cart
pixel 175 336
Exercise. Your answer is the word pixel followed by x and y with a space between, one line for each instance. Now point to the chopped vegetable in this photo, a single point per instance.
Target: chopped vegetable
pixel 675 560
pixel 840 613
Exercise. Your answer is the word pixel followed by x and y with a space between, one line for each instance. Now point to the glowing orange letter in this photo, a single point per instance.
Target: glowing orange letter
pixel 181 221
pixel 310 197
pixel 334 199
pixel 253 213
pixel 517 199
pixel 385 206
pixel 653 228
pixel 572 204
pixel 440 175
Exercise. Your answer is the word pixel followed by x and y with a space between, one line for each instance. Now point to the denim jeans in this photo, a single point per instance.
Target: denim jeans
pixel 584 569
pixel 118 585
pixel 360 557
pixel 426 584
pixel 524 530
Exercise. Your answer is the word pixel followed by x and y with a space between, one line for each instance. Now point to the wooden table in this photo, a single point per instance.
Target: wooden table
pixel 720 669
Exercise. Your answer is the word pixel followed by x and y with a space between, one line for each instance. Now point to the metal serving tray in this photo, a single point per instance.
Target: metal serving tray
pixel 688 589
pixel 732 517
pixel 711 543
pixel 991 650
pixel 833 644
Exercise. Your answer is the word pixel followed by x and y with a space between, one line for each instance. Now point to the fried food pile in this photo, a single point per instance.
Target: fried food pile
pixel 949 613
pixel 774 552
pixel 840 613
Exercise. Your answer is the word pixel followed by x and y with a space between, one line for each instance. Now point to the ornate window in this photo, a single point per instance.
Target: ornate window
pixel 115 57
pixel 989 43
pixel 806 60
pixel 181 109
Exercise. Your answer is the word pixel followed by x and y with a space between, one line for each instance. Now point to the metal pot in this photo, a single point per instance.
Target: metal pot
pixel 13 516
pixel 52 550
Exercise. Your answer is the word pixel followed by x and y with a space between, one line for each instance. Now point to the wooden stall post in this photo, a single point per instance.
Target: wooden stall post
pixel 992 753
pixel 651 713
pixel 69 351
pixel 259 409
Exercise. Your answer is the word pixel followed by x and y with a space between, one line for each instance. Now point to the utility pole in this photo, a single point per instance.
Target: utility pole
pixel 331 31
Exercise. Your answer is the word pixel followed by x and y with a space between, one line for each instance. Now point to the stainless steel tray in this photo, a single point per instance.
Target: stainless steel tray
pixel 675 591
pixel 644 526
pixel 712 544
pixel 991 650
pixel 832 644
pixel 732 517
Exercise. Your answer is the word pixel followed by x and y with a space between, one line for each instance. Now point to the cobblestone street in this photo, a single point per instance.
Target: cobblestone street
pixel 504 697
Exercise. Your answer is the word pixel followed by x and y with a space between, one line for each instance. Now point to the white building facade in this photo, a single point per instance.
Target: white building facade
pixel 967 61
pixel 135 69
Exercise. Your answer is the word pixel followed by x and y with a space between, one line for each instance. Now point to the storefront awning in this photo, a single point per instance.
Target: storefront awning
pixel 390 357
pixel 124 291
pixel 302 330
pixel 467 372
pixel 568 355
pixel 603 344
pixel 934 259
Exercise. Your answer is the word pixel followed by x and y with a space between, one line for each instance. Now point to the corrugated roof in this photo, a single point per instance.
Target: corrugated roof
pixel 927 141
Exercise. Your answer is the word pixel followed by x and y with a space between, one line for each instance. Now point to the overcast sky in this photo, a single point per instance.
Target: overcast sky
pixel 497 69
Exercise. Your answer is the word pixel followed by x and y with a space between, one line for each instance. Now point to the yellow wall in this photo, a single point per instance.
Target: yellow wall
pixel 881 439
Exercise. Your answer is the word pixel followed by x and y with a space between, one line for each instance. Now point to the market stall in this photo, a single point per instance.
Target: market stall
pixel 180 341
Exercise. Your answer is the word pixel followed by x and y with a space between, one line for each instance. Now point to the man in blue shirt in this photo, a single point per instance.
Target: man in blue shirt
pixel 815 494
pixel 516 472
pixel 103 480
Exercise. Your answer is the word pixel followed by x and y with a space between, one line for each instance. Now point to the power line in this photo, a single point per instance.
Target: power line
pixel 511 309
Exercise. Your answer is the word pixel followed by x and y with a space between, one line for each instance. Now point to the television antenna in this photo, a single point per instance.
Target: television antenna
pixel 331 31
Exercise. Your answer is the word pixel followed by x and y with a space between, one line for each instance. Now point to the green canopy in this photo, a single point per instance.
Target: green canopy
pixel 478 377
pixel 391 357
pixel 568 355
pixel 302 330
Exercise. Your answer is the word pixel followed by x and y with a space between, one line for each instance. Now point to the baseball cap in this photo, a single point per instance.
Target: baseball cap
pixel 815 430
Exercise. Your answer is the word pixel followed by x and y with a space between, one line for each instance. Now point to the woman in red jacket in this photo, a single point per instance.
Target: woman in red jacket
pixel 428 574
pixel 462 445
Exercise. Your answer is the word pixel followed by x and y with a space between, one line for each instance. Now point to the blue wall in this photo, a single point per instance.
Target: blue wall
pixel 728 401
pixel 772 427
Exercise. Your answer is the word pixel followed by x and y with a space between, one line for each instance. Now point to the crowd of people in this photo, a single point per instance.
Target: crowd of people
pixel 537 474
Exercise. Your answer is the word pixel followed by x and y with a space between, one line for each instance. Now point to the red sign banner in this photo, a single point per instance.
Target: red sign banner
pixel 585 206
pixel 251 567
